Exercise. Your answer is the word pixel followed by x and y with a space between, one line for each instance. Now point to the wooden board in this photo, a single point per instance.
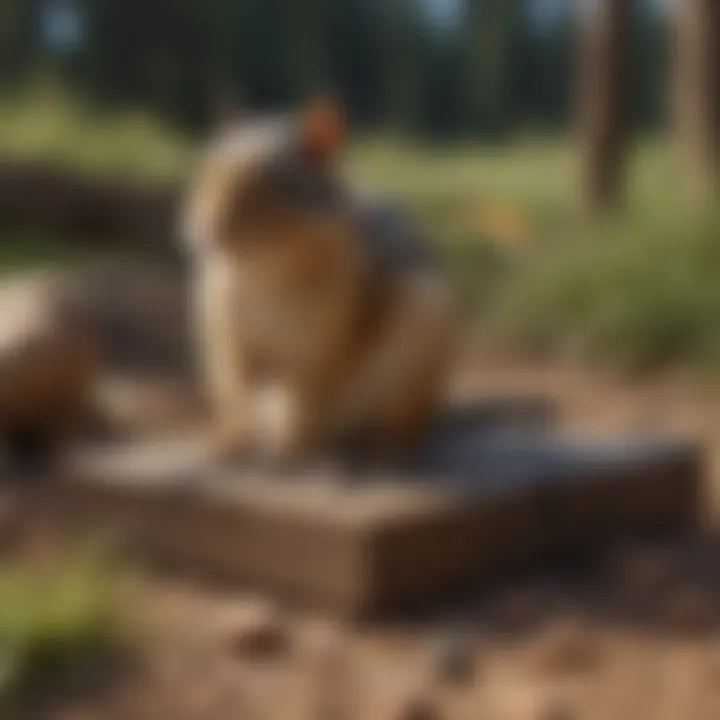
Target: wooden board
pixel 482 497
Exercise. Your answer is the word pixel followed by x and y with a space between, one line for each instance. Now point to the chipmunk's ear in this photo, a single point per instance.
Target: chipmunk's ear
pixel 323 130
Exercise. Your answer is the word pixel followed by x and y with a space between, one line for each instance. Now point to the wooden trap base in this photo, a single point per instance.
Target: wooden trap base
pixel 482 497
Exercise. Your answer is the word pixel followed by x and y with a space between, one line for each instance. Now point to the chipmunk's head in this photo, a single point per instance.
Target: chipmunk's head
pixel 264 182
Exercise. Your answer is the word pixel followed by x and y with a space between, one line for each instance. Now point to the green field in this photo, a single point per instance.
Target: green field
pixel 639 291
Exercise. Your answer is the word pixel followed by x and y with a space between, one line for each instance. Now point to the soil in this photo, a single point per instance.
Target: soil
pixel 632 636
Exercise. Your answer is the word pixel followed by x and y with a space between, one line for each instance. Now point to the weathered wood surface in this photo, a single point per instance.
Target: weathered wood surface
pixel 480 499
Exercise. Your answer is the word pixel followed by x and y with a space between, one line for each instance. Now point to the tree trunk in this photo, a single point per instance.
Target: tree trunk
pixel 697 95
pixel 603 101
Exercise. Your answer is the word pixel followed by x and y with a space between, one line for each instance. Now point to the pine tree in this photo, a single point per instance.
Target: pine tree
pixel 697 94
pixel 406 65
pixel 492 37
pixel 604 96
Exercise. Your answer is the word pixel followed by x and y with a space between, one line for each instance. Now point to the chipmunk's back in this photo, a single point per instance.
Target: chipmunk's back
pixel 394 241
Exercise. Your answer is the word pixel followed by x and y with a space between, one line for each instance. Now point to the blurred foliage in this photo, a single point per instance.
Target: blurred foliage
pixel 47 123
pixel 62 623
pixel 637 294
pixel 491 69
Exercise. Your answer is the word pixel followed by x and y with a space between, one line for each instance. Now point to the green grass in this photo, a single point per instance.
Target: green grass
pixel 44 123
pixel 59 625
pixel 635 295
pixel 536 177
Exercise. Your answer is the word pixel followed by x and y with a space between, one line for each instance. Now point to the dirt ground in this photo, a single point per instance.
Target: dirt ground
pixel 631 637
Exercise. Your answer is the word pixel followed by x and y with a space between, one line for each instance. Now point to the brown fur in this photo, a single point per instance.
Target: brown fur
pixel 301 339
pixel 48 364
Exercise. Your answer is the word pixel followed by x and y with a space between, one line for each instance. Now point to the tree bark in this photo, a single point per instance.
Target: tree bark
pixel 697 95
pixel 603 102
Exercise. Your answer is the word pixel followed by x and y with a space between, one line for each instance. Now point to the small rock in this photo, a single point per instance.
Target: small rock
pixel 452 657
pixel 568 647
pixel 691 610
pixel 557 711
pixel 258 632
pixel 416 707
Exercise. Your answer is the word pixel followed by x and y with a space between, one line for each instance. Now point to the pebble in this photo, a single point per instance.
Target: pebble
pixel 557 711
pixel 416 707
pixel 568 647
pixel 453 658
pixel 258 631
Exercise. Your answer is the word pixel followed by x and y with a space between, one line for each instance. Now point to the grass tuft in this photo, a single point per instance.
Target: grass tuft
pixel 59 625
pixel 635 295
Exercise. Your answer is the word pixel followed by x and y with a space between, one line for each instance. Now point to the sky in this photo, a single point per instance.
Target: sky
pixel 444 11
pixel 544 11
pixel 62 26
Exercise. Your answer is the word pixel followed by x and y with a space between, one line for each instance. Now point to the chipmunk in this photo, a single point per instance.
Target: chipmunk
pixel 319 311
